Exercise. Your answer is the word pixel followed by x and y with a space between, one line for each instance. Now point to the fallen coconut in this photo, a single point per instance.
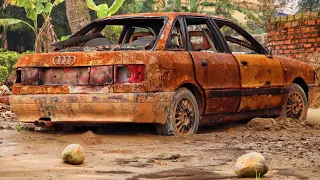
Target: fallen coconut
pixel 73 154
pixel 251 165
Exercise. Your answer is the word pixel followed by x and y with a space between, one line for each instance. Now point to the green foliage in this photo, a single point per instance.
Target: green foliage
pixel 18 128
pixel 8 60
pixel 3 73
pixel 11 22
pixel 35 9
pixel 103 10
pixel 309 5
pixel 112 32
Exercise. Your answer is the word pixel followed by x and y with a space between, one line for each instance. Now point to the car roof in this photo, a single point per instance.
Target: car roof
pixel 171 15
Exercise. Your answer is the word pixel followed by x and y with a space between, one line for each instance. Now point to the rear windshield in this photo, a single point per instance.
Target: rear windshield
pixel 125 33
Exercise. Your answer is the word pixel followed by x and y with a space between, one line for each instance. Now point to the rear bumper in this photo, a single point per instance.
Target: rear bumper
pixel 93 108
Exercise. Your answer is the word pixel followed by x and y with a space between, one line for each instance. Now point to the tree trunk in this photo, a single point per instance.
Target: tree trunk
pixel 3 36
pixel 77 14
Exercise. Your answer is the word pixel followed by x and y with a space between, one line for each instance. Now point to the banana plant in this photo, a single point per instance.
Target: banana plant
pixel 103 10
pixel 33 9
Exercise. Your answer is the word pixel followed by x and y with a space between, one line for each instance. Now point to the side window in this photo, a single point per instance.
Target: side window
pixel 201 35
pixel 175 39
pixel 237 42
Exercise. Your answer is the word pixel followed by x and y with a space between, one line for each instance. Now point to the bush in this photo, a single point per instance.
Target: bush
pixel 3 73
pixel 8 60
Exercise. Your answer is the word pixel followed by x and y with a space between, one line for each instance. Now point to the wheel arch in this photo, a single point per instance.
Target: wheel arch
pixel 302 84
pixel 197 94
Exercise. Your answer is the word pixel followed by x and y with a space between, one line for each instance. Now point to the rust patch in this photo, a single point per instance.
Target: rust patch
pixel 118 107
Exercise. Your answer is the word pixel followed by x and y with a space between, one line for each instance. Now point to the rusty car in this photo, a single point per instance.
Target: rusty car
pixel 175 70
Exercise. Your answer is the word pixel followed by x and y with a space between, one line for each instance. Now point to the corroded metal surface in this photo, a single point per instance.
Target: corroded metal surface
pixel 259 71
pixel 117 107
pixel 294 69
pixel 220 72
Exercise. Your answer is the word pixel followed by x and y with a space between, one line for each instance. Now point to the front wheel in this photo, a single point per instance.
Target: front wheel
pixel 296 106
pixel 183 116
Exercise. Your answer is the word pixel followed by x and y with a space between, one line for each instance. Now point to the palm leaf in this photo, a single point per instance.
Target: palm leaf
pixel 10 22
pixel 115 7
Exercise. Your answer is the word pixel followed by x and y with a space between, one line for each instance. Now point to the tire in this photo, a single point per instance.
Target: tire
pixel 296 105
pixel 183 116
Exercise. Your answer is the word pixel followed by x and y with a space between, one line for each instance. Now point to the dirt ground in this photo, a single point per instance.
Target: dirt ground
pixel 129 151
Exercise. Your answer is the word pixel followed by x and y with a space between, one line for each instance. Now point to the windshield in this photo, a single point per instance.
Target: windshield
pixel 126 33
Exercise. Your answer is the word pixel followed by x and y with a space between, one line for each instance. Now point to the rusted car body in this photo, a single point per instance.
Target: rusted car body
pixel 85 81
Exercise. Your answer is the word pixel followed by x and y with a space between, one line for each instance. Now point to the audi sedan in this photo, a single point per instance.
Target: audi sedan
pixel 175 70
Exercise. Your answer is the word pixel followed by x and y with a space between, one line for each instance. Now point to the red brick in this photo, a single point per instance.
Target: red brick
pixel 287 25
pixel 307 45
pixel 318 49
pixel 293 51
pixel 286 51
pixel 291 47
pixel 298 56
pixel 294 41
pixel 302 40
pixel 318 21
pixel 313 29
pixel 310 50
pixel 287 41
pixel 318 39
pixel 305 30
pixel 311 22
pixel 283 47
pixel 290 37
pixel 306 35
pixel 280 42
pixel 314 35
pixel 280 51
pixel 294 24
pixel 311 40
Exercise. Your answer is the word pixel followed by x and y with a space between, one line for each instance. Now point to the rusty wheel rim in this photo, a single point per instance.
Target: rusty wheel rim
pixel 184 116
pixel 295 106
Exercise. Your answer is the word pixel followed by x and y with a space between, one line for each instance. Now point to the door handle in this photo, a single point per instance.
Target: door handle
pixel 204 63
pixel 244 63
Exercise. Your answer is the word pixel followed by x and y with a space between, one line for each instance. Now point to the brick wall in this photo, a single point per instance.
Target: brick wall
pixel 296 36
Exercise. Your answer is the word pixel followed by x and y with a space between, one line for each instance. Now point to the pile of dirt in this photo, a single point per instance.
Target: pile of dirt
pixel 261 124
pixel 90 138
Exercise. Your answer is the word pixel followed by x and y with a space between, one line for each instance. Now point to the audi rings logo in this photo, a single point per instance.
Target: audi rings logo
pixel 64 60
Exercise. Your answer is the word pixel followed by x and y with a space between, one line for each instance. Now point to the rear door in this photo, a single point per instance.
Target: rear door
pixel 217 72
pixel 261 76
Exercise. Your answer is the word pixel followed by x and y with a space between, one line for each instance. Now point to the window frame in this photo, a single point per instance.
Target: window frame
pixel 242 32
pixel 182 29
pixel 212 27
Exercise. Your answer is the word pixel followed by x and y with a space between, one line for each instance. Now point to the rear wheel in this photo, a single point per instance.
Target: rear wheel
pixel 296 106
pixel 183 117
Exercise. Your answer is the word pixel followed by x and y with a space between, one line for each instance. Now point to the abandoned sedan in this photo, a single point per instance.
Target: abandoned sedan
pixel 175 70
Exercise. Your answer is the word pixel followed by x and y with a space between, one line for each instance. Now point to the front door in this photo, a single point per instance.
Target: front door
pixel 261 82
pixel 217 73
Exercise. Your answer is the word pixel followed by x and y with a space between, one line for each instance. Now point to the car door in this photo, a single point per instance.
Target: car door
pixel 261 76
pixel 217 72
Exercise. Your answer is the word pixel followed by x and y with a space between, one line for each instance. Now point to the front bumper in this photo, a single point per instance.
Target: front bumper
pixel 93 108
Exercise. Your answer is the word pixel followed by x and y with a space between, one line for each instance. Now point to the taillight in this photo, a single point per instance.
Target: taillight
pixel 129 73
pixel 30 76
pixel 101 75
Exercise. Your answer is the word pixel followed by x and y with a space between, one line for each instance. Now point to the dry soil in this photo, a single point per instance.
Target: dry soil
pixel 128 151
